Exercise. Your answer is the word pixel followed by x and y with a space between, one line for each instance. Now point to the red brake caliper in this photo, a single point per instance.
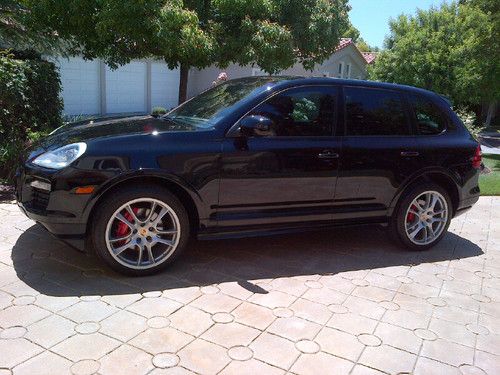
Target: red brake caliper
pixel 411 216
pixel 122 229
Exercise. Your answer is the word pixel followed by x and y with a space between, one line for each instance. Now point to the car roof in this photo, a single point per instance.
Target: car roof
pixel 282 82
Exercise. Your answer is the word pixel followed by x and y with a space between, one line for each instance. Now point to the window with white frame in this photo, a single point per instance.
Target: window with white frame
pixel 341 68
pixel 348 71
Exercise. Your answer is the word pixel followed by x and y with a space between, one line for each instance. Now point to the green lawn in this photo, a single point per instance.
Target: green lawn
pixel 490 183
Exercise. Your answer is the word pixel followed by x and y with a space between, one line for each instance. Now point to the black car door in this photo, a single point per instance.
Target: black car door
pixel 288 173
pixel 379 152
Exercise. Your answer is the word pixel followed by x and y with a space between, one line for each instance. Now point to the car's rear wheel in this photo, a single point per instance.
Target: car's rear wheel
pixel 140 230
pixel 422 217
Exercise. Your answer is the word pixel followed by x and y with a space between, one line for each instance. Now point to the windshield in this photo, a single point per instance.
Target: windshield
pixel 210 106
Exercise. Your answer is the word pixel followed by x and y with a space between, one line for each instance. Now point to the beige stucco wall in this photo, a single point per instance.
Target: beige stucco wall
pixel 200 80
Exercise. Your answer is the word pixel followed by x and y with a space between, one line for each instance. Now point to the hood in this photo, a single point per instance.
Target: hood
pixel 106 129
pixel 85 131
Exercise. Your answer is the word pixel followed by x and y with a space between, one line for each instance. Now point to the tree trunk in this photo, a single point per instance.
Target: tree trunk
pixel 183 82
pixel 491 111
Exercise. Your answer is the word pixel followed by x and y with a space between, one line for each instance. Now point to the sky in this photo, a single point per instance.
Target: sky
pixel 371 17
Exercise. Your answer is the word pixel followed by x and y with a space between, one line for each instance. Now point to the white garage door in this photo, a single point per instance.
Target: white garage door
pixel 126 88
pixel 164 86
pixel 80 86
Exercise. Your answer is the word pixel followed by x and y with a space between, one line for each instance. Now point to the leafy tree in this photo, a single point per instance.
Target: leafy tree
pixel 16 33
pixel 197 33
pixel 451 50
pixel 351 32
pixel 484 49
pixel 363 46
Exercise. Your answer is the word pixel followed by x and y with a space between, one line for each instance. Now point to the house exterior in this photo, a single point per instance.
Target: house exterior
pixel 346 62
pixel 92 88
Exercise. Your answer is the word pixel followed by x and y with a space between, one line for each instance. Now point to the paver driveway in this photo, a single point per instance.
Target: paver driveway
pixel 345 301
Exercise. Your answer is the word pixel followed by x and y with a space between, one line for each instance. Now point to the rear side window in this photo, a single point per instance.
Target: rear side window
pixel 429 118
pixel 375 112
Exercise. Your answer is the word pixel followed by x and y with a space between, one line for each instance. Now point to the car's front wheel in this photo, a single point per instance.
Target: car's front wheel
pixel 422 217
pixel 140 230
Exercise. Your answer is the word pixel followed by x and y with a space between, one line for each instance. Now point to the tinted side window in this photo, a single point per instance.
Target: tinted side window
pixel 300 112
pixel 375 112
pixel 430 119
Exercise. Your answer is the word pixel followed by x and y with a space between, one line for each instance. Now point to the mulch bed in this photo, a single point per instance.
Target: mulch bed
pixel 6 193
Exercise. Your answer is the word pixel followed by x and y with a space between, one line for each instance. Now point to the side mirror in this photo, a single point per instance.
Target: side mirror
pixel 255 125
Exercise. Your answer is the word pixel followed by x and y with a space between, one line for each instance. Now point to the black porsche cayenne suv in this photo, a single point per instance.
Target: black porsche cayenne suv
pixel 254 156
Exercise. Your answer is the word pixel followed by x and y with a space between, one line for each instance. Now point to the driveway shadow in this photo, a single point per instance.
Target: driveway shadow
pixel 53 268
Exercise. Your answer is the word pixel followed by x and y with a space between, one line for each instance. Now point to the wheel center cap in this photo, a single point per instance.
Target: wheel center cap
pixel 143 232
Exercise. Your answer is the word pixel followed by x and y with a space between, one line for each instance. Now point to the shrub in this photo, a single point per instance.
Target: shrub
pixel 29 106
pixel 470 120
pixel 158 111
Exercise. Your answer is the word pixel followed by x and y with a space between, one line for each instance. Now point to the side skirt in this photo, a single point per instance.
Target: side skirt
pixel 271 230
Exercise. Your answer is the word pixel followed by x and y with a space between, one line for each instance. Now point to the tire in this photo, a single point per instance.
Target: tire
pixel 407 214
pixel 120 241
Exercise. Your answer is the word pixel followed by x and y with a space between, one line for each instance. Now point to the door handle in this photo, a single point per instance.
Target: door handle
pixel 328 154
pixel 409 153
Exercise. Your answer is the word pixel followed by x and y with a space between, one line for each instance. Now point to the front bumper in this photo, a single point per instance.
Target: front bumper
pixel 56 225
pixel 58 209
pixel 72 233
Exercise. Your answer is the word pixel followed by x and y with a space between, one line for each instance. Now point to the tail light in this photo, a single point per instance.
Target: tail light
pixel 476 159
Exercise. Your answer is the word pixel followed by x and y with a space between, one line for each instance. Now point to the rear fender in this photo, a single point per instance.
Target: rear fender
pixel 426 175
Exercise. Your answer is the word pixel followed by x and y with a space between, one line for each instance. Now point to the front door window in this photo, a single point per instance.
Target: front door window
pixel 302 112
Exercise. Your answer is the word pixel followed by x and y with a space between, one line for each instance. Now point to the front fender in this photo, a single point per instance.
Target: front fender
pixel 142 174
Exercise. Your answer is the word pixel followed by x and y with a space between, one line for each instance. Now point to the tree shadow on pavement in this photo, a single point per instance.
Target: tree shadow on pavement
pixel 53 268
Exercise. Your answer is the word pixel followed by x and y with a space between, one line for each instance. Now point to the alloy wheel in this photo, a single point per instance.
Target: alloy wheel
pixel 426 218
pixel 143 233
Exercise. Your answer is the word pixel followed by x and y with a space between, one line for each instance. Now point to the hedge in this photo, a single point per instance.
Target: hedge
pixel 29 106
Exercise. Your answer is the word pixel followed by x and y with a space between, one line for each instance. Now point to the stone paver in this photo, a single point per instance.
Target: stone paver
pixel 203 357
pixel 123 325
pixel 163 340
pixel 80 347
pixel 312 364
pixel 294 328
pixel 230 334
pixel 126 360
pixel 16 351
pixel 50 331
pixel 254 315
pixel 251 367
pixel 339 343
pixel 275 350
pixel 191 320
pixel 388 359
pixel 46 363
pixel 343 301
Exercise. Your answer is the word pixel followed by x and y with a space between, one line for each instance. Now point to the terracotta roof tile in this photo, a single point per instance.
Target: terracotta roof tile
pixel 344 42
pixel 369 56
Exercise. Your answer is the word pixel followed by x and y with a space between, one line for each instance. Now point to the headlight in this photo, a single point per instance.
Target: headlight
pixel 61 157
